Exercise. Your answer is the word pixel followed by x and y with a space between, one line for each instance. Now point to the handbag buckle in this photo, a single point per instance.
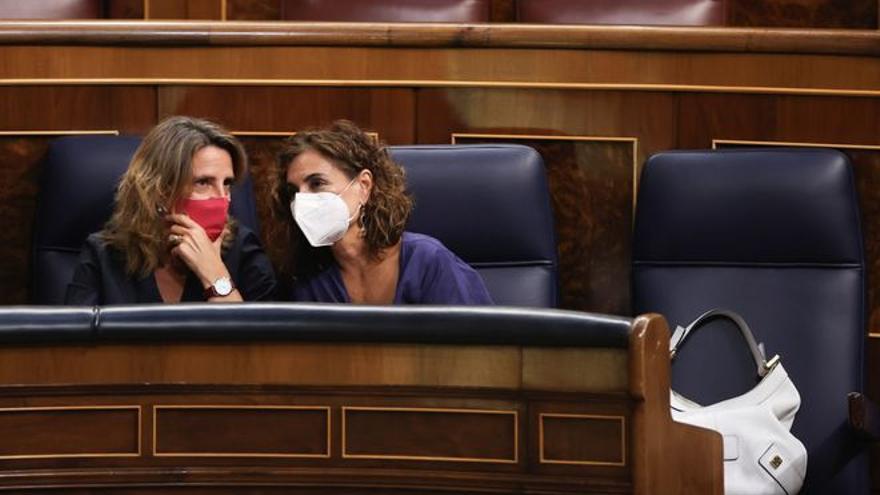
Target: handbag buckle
pixel 769 365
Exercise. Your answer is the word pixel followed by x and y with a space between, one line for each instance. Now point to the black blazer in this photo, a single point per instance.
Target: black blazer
pixel 100 277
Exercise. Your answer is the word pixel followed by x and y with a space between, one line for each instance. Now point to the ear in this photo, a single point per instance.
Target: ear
pixel 365 179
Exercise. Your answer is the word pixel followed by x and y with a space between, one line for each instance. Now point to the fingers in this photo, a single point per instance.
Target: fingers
pixel 190 244
pixel 218 242
pixel 181 219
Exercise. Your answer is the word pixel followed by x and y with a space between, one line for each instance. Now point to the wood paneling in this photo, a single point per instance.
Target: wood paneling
pixel 502 11
pixel 266 10
pixel 128 109
pixel 848 14
pixel 866 164
pixel 389 112
pixel 583 439
pixel 19 185
pixel 89 431
pixel 292 364
pixel 600 370
pixel 435 434
pixel 124 9
pixel 806 119
pixel 184 9
pixel 253 10
pixel 476 433
pixel 266 431
pixel 497 36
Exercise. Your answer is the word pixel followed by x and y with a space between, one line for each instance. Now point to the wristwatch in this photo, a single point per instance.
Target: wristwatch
pixel 223 286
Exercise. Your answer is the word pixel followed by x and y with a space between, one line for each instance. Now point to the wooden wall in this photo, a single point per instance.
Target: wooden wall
pixel 850 14
pixel 595 101
pixel 853 14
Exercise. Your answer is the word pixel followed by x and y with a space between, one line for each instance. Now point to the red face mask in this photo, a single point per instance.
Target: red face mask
pixel 211 214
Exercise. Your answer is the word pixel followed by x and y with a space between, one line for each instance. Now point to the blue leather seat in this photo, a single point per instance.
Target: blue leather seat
pixel 79 180
pixel 491 206
pixel 775 235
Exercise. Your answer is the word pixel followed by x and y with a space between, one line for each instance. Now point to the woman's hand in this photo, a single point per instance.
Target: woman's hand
pixel 201 255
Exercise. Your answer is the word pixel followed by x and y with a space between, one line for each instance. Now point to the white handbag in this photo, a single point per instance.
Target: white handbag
pixel 761 456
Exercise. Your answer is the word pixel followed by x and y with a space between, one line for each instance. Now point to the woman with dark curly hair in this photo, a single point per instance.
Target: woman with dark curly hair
pixel 342 206
pixel 170 238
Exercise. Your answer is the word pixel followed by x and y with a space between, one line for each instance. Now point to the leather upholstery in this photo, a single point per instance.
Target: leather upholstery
pixel 775 236
pixel 462 11
pixel 25 324
pixel 79 179
pixel 490 205
pixel 650 12
pixel 51 9
pixel 315 322
pixel 356 323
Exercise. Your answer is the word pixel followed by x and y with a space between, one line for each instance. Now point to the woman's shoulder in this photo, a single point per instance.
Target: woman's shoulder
pixel 428 253
pixel 424 245
pixel 98 245
pixel 101 256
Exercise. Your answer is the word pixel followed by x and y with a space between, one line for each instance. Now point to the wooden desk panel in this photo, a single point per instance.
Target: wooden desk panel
pixel 349 418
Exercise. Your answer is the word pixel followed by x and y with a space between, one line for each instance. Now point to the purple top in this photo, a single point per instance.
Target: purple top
pixel 429 274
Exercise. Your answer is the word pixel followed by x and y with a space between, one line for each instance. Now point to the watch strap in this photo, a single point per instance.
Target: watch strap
pixel 211 290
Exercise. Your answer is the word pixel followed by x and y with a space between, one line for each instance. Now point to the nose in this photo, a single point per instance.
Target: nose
pixel 220 190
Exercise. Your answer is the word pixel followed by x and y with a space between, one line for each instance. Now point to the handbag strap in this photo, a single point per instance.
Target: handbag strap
pixel 680 334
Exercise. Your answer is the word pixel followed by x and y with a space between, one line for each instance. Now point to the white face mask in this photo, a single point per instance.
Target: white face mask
pixel 323 217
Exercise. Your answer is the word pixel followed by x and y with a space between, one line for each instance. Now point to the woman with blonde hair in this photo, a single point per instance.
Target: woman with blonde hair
pixel 170 238
pixel 342 207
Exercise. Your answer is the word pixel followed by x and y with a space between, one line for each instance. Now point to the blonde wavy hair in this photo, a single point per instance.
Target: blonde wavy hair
pixel 351 150
pixel 159 174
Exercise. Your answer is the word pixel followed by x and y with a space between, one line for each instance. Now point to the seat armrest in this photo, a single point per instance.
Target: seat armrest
pixel 864 416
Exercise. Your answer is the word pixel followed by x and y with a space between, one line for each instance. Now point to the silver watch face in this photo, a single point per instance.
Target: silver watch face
pixel 223 286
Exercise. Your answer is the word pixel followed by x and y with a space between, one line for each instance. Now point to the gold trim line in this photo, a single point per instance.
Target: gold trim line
pixel 425 83
pixel 60 133
pixel 716 142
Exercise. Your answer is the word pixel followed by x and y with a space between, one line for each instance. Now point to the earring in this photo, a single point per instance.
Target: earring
pixel 362 218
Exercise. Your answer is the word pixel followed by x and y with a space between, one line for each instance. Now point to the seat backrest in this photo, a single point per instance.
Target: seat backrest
pixel 79 179
pixel 775 235
pixel 490 205
pixel 466 11
pixel 645 12
pixel 51 9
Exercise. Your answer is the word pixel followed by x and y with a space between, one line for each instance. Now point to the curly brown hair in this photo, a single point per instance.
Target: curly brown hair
pixel 158 175
pixel 352 150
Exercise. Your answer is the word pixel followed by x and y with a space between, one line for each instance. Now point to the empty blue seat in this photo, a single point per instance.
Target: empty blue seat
pixel 490 205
